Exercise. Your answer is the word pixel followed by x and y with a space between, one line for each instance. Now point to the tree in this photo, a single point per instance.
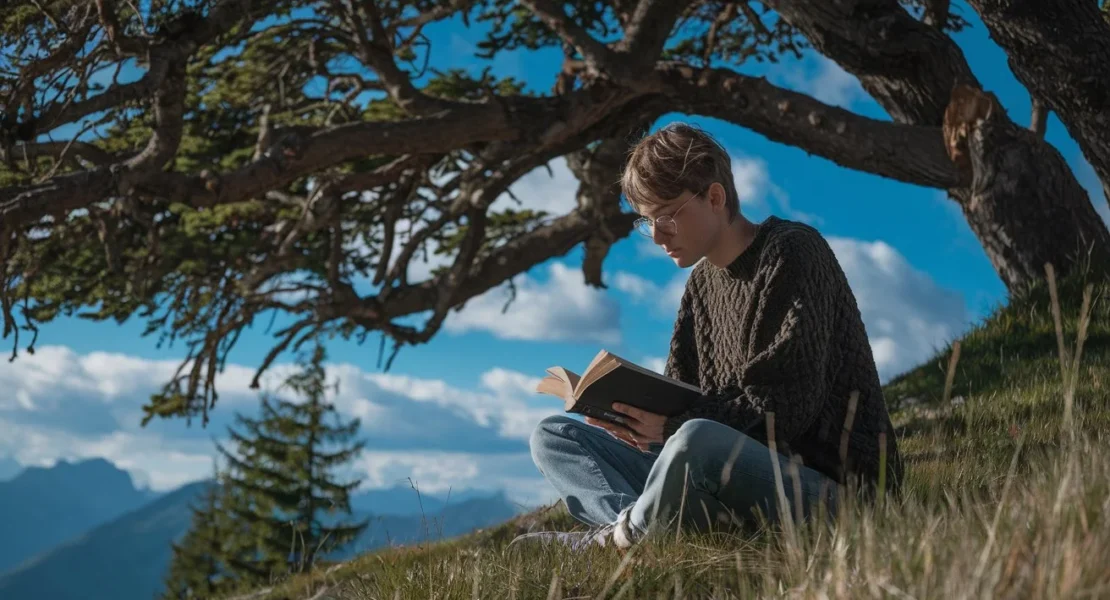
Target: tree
pixel 281 493
pixel 198 567
pixel 296 158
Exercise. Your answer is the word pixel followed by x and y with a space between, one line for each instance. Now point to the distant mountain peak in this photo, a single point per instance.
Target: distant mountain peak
pixel 90 471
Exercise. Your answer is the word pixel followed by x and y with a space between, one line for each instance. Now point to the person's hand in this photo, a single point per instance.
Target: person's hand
pixel 641 428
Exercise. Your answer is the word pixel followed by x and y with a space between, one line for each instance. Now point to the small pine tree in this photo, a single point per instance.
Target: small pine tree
pixel 280 481
pixel 198 559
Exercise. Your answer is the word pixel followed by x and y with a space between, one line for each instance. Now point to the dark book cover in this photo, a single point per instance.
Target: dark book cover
pixel 635 387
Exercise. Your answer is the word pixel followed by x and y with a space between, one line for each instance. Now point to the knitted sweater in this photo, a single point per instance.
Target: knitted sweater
pixel 779 331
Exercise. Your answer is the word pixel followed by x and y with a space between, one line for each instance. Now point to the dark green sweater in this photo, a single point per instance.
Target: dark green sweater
pixel 779 331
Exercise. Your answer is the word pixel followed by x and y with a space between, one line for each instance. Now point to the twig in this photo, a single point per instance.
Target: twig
pixel 1073 380
pixel 780 489
pixel 615 575
pixel 1063 352
pixel 1038 120
pixel 65 150
pixel 845 432
pixel 950 376
pixel 139 14
pixel 998 510
pixel 682 501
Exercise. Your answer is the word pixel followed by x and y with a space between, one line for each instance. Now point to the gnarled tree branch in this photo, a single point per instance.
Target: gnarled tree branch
pixel 909 153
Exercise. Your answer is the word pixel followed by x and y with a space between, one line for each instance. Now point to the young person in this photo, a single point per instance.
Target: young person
pixel 767 324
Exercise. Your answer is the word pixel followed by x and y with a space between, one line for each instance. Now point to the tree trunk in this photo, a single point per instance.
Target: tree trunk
pixel 1059 50
pixel 1023 203
pixel 1019 195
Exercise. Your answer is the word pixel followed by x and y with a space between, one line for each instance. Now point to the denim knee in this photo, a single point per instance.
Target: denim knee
pixel 690 437
pixel 546 433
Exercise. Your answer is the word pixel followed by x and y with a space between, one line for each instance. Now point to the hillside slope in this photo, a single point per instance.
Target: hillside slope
pixel 1003 499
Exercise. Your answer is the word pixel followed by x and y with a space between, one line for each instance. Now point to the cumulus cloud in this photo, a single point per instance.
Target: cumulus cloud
pixel 655 363
pixel 823 79
pixel 74 406
pixel 755 188
pixel 561 308
pixel 907 315
pixel 663 300
pixel 552 191
pixel 440 473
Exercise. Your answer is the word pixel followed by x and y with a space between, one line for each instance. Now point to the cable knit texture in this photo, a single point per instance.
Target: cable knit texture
pixel 779 330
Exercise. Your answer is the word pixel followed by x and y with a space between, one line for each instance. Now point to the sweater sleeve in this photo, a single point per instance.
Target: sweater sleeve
pixel 787 361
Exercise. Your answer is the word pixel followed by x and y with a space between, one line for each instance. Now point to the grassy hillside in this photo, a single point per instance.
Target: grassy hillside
pixel 1003 499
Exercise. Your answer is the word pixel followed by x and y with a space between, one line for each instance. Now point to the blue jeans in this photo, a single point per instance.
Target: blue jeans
pixel 730 476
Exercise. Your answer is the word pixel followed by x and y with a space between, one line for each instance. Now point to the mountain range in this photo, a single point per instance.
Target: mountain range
pixel 43 507
pixel 83 530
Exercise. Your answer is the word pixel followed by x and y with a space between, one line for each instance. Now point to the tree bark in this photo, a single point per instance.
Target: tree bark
pixel 1005 157
pixel 1018 193
pixel 908 153
pixel 1059 49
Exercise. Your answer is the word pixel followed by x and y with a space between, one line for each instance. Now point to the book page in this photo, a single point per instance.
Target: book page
pixel 601 365
pixel 559 383
pixel 570 377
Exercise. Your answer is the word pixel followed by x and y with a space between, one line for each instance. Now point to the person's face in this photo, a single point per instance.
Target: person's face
pixel 685 227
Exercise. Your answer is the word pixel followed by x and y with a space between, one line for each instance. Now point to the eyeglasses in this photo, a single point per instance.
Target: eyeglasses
pixel 665 223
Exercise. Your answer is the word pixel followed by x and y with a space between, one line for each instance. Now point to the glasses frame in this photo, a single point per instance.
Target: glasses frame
pixel 646 227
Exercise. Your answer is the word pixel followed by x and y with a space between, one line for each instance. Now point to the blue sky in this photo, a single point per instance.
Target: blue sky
pixel 456 412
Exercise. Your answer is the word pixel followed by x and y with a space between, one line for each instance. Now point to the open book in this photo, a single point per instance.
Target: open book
pixel 610 378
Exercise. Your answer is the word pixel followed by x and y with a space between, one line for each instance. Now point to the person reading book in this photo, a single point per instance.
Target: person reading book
pixel 767 324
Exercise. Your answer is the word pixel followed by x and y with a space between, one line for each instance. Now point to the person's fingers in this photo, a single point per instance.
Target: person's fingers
pixel 613 427
pixel 625 436
pixel 636 414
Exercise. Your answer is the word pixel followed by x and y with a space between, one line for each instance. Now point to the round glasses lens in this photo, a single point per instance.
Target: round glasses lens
pixel 666 226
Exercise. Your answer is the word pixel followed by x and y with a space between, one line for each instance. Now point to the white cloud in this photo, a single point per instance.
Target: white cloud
pixel 152 460
pixel 754 187
pixel 655 363
pixel 562 308
pixel 823 79
pixel 441 472
pixel 82 406
pixel 907 315
pixel 663 299
pixel 552 192
pixel 633 284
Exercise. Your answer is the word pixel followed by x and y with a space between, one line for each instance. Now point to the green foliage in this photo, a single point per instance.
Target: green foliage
pixel 279 507
pixel 198 566
pixel 282 470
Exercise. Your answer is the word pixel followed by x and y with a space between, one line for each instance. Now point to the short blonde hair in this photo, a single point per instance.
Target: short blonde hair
pixel 677 158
